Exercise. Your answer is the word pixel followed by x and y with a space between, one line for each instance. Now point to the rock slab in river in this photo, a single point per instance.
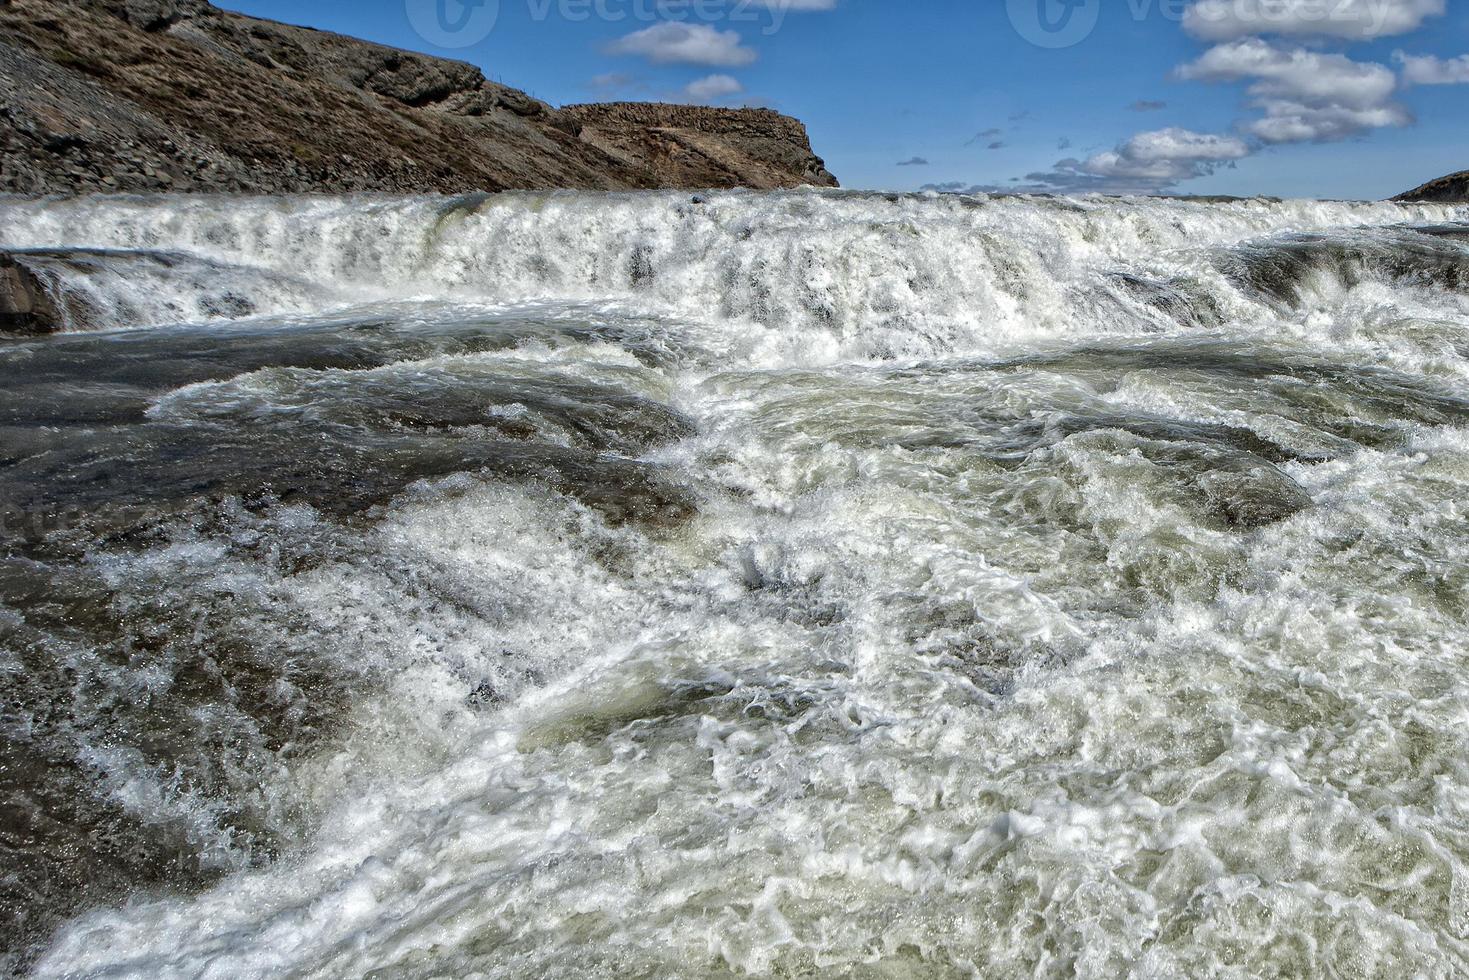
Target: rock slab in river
pixel 26 305
pixel 154 95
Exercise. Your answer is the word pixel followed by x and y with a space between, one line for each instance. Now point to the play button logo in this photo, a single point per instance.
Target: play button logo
pixel 1054 23
pixel 453 23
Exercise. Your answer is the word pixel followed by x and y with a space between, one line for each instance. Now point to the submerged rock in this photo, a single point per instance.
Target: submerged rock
pixel 1174 300
pixel 1249 497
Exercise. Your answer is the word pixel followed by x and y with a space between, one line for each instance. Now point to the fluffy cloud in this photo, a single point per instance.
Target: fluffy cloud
pixel 1358 20
pixel 1145 164
pixel 1148 105
pixel 1292 122
pixel 1164 156
pixel 1296 74
pixel 713 87
pixel 914 162
pixel 1428 70
pixel 1305 95
pixel 691 44
pixel 1301 93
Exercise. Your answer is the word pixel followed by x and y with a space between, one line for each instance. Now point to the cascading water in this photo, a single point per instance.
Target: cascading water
pixel 789 584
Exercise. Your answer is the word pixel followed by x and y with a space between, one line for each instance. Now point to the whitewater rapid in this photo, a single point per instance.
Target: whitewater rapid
pixel 795 584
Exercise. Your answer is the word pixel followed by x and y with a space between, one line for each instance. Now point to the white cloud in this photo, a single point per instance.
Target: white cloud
pixel 691 44
pixel 1296 74
pixel 1302 93
pixel 1291 122
pixel 1305 95
pixel 1358 20
pixel 1148 163
pixel 1428 70
pixel 1164 156
pixel 713 87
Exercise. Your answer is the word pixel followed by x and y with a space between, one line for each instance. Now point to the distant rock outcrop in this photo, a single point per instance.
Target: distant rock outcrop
pixel 1453 189
pixel 747 147
pixel 153 95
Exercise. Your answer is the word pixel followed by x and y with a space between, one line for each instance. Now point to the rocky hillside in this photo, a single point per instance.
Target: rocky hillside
pixel 150 95
pixel 1453 189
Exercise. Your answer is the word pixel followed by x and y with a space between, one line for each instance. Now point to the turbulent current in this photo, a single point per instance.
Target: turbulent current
pixel 804 584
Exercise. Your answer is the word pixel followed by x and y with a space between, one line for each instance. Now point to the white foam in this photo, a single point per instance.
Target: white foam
pixel 902 698
pixel 835 274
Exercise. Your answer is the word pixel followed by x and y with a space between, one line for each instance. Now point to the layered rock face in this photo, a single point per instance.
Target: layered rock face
pixel 734 147
pixel 177 95
pixel 1453 189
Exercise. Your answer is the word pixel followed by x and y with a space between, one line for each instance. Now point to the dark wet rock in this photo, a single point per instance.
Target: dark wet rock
pixel 320 424
pixel 1248 497
pixel 46 384
pixel 1358 404
pixel 1174 300
pixel 1235 488
pixel 27 304
pixel 591 716
pixel 215 682
pixel 55 284
pixel 1228 472
pixel 1230 437
pixel 243 699
pixel 1284 270
pixel 1455 232
pixel 1231 487
pixel 122 480
pixel 1012 440
pixel 177 95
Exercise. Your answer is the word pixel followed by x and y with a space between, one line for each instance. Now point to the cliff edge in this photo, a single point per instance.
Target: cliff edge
pixel 178 95
pixel 1453 189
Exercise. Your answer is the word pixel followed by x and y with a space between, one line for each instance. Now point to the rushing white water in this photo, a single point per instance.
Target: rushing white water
pixel 833 275
pixel 1068 588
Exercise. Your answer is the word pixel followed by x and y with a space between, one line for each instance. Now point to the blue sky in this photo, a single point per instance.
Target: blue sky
pixel 1296 98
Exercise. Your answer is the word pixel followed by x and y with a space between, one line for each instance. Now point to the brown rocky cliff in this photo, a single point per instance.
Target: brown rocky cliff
pixel 148 95
pixel 1453 189
pixel 749 147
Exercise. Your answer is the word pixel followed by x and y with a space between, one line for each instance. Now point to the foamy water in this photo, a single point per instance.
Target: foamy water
pixel 797 584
